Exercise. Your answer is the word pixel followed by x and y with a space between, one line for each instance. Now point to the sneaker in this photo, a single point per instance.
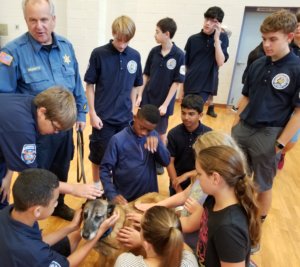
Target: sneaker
pixel 159 169
pixel 234 109
pixel 252 264
pixel 211 111
pixel 281 161
pixel 255 249
pixel 64 212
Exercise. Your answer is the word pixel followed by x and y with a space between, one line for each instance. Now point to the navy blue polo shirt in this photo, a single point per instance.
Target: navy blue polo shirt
pixel 180 146
pixel 295 48
pixel 22 245
pixel 18 131
pixel 114 74
pixel 201 66
pixel 273 90
pixel 163 71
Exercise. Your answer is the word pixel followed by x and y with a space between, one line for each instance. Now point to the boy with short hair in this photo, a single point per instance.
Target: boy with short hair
pixel 163 74
pixel 128 165
pixel 35 193
pixel 111 79
pixel 205 53
pixel 180 143
pixel 264 124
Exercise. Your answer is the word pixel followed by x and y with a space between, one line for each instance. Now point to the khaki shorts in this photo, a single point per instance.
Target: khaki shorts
pixel 258 145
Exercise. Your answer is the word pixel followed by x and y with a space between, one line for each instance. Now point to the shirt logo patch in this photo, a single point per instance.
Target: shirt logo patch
pixel 28 154
pixel 171 63
pixel 5 58
pixel 67 59
pixel 182 70
pixel 132 66
pixel 54 264
pixel 281 81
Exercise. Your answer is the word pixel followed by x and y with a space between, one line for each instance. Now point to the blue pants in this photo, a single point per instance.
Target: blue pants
pixel 3 171
pixel 54 153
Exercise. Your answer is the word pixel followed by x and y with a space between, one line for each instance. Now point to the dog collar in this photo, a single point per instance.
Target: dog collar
pixel 106 233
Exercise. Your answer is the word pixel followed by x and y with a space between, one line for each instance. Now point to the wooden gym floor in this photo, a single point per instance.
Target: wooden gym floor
pixel 281 230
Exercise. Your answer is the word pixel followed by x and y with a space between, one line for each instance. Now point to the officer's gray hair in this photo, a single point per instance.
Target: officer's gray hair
pixel 50 2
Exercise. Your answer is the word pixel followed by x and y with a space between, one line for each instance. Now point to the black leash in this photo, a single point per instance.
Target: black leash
pixel 80 157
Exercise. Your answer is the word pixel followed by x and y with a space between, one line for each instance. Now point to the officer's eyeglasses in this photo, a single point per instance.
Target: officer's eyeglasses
pixel 55 128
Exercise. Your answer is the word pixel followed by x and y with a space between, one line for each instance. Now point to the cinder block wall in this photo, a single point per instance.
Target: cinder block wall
pixel 87 24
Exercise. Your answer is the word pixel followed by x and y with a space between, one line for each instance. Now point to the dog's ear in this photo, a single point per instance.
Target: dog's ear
pixel 110 209
pixel 103 196
pixel 83 204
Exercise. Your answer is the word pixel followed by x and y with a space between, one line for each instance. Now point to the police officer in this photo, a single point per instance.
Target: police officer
pixel 35 61
pixel 49 112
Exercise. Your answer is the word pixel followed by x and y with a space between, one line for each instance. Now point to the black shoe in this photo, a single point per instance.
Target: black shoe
pixel 64 212
pixel 211 112
pixel 159 169
pixel 234 109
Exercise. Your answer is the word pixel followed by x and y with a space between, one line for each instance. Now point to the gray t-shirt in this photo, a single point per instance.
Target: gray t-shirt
pixel 128 259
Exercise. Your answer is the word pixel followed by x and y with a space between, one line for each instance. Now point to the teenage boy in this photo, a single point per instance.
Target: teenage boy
pixel 128 166
pixel 163 74
pixel 113 73
pixel 35 61
pixel 22 118
pixel 270 95
pixel 205 53
pixel 35 193
pixel 180 143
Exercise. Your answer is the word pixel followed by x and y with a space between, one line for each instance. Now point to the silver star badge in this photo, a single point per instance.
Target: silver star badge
pixel 67 59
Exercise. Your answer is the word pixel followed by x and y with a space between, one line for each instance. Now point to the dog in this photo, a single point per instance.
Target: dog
pixel 96 211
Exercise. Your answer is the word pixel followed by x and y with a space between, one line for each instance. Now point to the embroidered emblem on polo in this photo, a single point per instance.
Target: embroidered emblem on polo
pixel 132 66
pixel 54 264
pixel 28 154
pixel 281 81
pixel 171 63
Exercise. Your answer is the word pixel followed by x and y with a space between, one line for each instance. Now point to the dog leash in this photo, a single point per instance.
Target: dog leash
pixel 80 157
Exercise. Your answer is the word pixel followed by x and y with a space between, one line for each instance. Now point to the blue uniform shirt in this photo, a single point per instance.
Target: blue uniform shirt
pixel 163 71
pixel 201 66
pixel 34 69
pixel 180 145
pixel 114 74
pixel 273 89
pixel 133 167
pixel 295 48
pixel 22 245
pixel 18 132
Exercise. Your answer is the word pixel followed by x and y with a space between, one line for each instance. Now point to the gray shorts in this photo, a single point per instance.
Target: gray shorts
pixel 258 145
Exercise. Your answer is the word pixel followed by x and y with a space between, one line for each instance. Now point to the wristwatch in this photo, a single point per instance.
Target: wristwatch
pixel 279 145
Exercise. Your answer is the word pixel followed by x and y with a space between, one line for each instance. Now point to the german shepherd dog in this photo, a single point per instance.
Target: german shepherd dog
pixel 96 211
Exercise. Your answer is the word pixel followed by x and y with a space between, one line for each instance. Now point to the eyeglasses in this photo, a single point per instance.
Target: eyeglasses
pixel 55 128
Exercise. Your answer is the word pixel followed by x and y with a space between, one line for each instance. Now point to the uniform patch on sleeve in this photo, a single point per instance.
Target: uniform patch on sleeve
pixel 54 264
pixel 5 58
pixel 28 154
pixel 182 70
